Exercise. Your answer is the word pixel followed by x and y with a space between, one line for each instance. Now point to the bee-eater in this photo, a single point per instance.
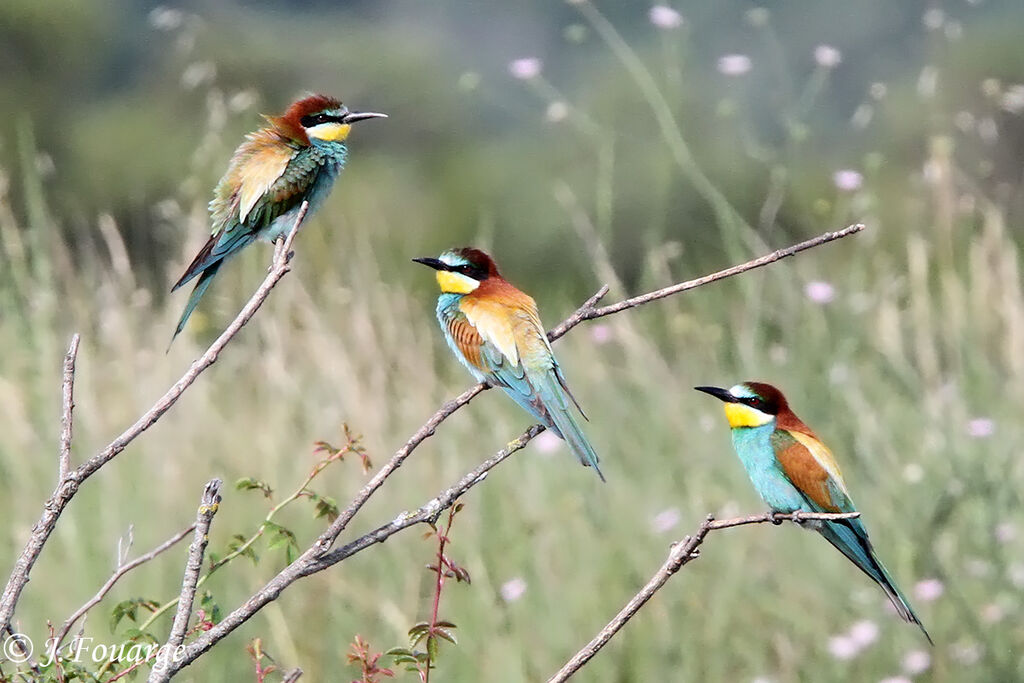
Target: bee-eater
pixel 296 158
pixel 793 471
pixel 495 330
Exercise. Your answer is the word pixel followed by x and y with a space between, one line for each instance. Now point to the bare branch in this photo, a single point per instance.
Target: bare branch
pixel 68 486
pixel 204 516
pixel 122 569
pixel 722 274
pixel 681 553
pixel 67 406
pixel 292 675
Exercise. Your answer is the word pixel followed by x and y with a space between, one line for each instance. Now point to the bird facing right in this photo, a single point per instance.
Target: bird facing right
pixel 793 471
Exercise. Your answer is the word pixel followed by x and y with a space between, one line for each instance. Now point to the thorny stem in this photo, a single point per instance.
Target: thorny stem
pixel 442 540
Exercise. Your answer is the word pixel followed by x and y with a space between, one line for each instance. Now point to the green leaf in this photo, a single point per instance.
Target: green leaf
pixel 327 507
pixel 446 624
pixel 210 606
pixel 250 484
pixel 446 634
pixel 432 648
pixel 418 633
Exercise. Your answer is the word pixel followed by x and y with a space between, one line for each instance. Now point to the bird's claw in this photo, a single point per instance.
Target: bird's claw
pixel 775 517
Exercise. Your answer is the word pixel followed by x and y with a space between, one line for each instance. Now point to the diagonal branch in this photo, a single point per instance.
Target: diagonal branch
pixel 682 553
pixel 68 485
pixel 122 569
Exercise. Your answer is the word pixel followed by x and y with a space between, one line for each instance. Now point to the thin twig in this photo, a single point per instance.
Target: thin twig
pixel 204 516
pixel 208 507
pixel 122 569
pixel 67 407
pixel 68 486
pixel 682 552
pixel 722 274
pixel 320 555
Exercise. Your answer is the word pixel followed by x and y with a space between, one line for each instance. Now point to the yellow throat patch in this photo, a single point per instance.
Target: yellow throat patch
pixel 741 415
pixel 455 283
pixel 331 132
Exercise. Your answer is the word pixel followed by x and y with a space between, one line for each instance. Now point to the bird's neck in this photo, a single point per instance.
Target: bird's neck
pixel 331 148
pixel 754 444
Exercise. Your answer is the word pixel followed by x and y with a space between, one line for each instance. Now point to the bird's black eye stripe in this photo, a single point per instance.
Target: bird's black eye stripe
pixel 315 119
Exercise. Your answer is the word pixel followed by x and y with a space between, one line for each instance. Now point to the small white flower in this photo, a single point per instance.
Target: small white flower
pixel 1016 575
pixel 734 65
pixel 913 473
pixel 992 613
pixel 916 662
pixel 981 428
pixel 966 652
pixel 198 73
pixel 864 632
pixel 165 19
pixel 601 334
pixel 525 68
pixel 827 56
pixel 843 647
pixel 513 589
pixel 557 111
pixel 929 590
pixel 665 17
pixel 933 18
pixel 665 520
pixel 548 442
pixel 820 292
pixel 847 180
pixel 1005 532
pixel 1013 99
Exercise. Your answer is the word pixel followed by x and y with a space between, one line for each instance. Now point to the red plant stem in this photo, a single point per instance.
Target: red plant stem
pixel 442 541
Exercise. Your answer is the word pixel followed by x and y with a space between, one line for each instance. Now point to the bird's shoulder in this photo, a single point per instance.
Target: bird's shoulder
pixel 506 317
pixel 811 467
pixel 258 163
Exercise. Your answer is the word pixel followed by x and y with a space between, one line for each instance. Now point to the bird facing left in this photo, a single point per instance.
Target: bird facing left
pixel 296 158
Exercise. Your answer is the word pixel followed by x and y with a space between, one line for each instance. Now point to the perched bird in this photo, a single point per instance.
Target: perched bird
pixel 495 330
pixel 296 158
pixel 795 472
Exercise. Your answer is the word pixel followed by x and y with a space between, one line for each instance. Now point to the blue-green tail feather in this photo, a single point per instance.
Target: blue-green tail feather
pixel 559 405
pixel 850 537
pixel 197 293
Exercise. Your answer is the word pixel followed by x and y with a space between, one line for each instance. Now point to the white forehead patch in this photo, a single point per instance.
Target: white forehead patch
pixel 451 259
pixel 741 391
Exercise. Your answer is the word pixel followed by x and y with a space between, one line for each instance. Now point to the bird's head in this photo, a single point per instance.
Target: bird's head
pixel 319 118
pixel 460 271
pixel 751 404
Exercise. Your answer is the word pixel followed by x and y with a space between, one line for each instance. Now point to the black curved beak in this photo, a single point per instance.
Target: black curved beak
pixel 436 264
pixel 720 394
pixel 354 116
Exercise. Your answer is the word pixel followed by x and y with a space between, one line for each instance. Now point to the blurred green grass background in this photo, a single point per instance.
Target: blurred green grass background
pixel 636 156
